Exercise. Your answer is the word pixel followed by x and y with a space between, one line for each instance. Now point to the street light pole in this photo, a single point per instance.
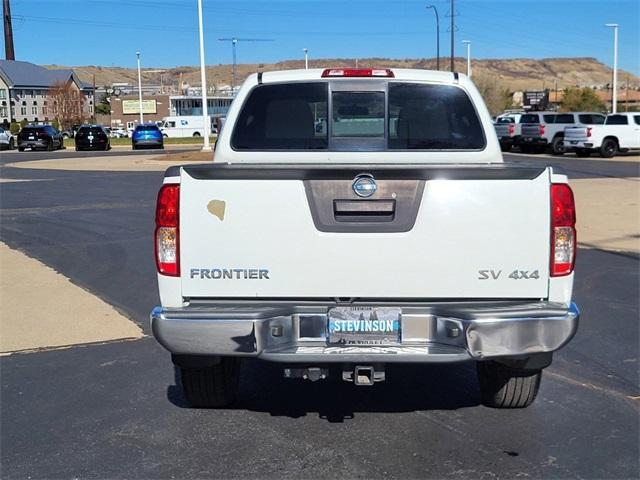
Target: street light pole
pixel 453 30
pixel 614 96
pixel 306 58
pixel 140 89
pixel 206 147
pixel 468 44
pixel 437 36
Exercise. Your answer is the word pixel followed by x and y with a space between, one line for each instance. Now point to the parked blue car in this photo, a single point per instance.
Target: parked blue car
pixel 147 136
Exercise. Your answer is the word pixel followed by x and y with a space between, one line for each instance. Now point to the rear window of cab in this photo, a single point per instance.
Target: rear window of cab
pixel 405 116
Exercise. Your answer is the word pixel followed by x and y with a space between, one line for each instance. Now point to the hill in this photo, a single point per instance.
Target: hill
pixel 513 74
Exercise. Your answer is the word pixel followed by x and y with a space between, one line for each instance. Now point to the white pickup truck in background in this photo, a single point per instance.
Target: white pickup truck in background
pixel 542 130
pixel 392 233
pixel 509 130
pixel 619 133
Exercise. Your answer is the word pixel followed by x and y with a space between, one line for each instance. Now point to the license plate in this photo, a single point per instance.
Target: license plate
pixel 32 138
pixel 90 137
pixel 529 139
pixel 365 325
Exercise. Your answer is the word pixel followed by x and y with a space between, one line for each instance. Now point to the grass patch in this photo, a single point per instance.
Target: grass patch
pixel 197 156
pixel 70 142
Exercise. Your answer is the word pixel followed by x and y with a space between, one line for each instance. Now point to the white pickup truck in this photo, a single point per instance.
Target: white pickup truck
pixel 509 130
pixel 620 133
pixel 393 233
pixel 542 130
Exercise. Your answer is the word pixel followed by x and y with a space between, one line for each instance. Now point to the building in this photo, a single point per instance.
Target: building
pixel 125 110
pixel 26 93
pixel 188 105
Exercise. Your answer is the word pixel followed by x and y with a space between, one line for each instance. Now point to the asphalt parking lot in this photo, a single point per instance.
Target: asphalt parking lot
pixel 112 409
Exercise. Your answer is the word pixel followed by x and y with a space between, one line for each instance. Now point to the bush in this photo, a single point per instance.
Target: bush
pixel 23 123
pixel 14 128
pixel 581 100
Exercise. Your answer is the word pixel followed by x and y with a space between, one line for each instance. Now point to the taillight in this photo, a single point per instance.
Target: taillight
pixel 357 72
pixel 563 230
pixel 167 237
pixel 512 129
pixel 541 129
pixel 588 132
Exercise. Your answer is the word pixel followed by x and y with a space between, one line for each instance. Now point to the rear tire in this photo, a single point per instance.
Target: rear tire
pixel 505 147
pixel 50 146
pixel 213 386
pixel 12 144
pixel 21 149
pixel 557 148
pixel 507 387
pixel 609 148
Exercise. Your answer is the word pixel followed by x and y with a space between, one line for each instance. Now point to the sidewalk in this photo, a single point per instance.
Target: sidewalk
pixel 43 309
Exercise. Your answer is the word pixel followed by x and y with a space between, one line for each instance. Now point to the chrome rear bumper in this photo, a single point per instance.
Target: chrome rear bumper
pixel 430 332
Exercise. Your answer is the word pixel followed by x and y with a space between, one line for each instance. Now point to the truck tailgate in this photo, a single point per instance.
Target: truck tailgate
pixel 575 134
pixel 450 233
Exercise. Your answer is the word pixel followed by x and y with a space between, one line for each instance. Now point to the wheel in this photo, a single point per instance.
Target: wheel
pixel 583 152
pixel 557 148
pixel 507 387
pixel 21 149
pixel 211 386
pixel 77 149
pixel 50 146
pixel 608 148
pixel 196 134
pixel 505 147
pixel 12 144
pixel 134 147
pixel 165 135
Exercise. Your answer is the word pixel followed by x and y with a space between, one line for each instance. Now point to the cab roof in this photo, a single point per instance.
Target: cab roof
pixel 317 74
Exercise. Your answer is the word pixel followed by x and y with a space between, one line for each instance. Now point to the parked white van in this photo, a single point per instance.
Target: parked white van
pixel 184 126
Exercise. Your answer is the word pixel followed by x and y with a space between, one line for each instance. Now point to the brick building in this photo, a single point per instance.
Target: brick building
pixel 125 110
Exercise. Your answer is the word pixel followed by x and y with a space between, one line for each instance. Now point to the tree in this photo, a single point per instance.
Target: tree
pixel 103 107
pixel 497 97
pixel 67 103
pixel 577 99
pixel 14 128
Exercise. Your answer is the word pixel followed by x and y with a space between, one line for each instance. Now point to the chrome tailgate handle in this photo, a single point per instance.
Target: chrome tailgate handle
pixel 364 210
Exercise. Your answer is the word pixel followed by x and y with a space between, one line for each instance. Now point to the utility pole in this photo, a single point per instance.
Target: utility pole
pixel 468 44
pixel 140 89
pixel 437 35
pixel 93 113
pixel 9 52
pixel 203 78
pixel 453 26
pixel 614 95
pixel 626 95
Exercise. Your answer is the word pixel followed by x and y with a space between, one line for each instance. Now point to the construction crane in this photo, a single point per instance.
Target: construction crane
pixel 234 41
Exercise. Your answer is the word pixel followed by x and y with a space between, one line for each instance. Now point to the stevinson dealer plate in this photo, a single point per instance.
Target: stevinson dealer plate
pixel 365 325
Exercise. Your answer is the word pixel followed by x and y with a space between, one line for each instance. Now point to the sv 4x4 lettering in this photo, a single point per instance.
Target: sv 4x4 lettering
pixel 515 275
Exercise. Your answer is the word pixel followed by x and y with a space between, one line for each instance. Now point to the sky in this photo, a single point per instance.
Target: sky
pixel 109 32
